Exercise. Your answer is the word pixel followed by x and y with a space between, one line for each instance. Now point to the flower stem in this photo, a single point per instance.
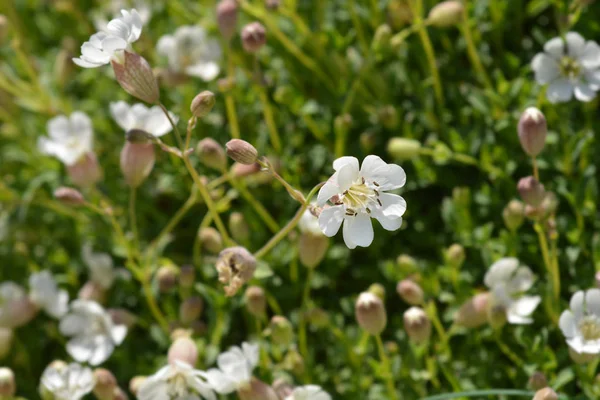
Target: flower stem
pixel 389 380
pixel 269 119
pixel 295 194
pixel 552 271
pixel 132 216
pixel 175 130
pixel 229 101
pixel 536 173
pixel 472 50
pixel 303 308
pixel 258 207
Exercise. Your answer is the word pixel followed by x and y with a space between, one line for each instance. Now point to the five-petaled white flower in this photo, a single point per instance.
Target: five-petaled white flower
pixel 191 52
pixel 93 334
pixel 101 266
pixel 109 43
pixel 45 294
pixel 150 120
pixel 70 138
pixel 235 369
pixel 581 323
pixel 309 392
pixel 67 382
pixel 359 194
pixel 507 282
pixel 569 66
pixel 177 381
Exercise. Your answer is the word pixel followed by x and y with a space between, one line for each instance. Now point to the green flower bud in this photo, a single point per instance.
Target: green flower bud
pixel 256 301
pixel 388 117
pixel 190 309
pixel 446 14
pixel 238 227
pixel 406 263
pixel 202 104
pixel 455 255
pixel 403 149
pixel 513 215
pixel 282 331
pixel 378 290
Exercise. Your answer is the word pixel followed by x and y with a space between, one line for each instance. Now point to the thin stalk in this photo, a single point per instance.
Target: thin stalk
pixel 258 207
pixel 508 352
pixel 385 362
pixel 229 101
pixel 132 216
pixel 555 279
pixel 536 173
pixel 295 194
pixel 362 41
pixel 175 130
pixel 302 343
pixel 269 118
pixel 472 50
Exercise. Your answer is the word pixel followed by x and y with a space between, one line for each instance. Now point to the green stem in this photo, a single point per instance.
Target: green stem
pixel 229 101
pixel 508 352
pixel 554 278
pixel 132 216
pixel 385 362
pixel 175 130
pixel 302 343
pixel 258 207
pixel 269 119
pixel 362 41
pixel 472 50
pixel 536 174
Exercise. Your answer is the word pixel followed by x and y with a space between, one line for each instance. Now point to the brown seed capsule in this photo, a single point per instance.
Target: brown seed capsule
pixel 86 172
pixel 211 154
pixel 210 239
pixel 254 37
pixel 106 383
pixel 531 191
pixel 370 313
pixel 202 104
pixel 446 14
pixel 532 129
pixel 69 196
pixel 135 76
pixel 417 325
pixel 256 301
pixel 241 151
pixel 183 349
pixel 227 11
pixel 187 276
pixel 545 394
pixel 7 383
pixel 272 4
pixel 410 292
pixel 235 266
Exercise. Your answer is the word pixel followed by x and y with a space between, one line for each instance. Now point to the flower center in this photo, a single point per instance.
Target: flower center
pixel 569 67
pixel 178 386
pixel 361 197
pixel 590 327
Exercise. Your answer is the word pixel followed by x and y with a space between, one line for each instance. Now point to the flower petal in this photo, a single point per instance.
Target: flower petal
pixel 343 161
pixel 387 176
pixel 559 91
pixel 120 113
pixel 590 58
pixel 207 71
pixel 526 305
pixel 388 223
pixel 347 175
pixel 545 68
pixel 592 301
pixel 251 352
pixel 328 190
pixel 576 304
pixel 392 205
pixel 575 44
pixel 59 128
pixel 166 46
pixel 219 381
pixel 555 48
pixel 331 219
pixel 84 63
pixel 584 92
pixel 358 231
pixel 156 122
pixel 567 324
pixel 501 271
pixel 522 280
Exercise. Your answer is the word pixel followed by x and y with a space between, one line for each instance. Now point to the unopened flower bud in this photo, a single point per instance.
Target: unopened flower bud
pixel 6 338
pixel 238 227
pixel 211 154
pixel 549 204
pixel 410 292
pixel 7 383
pixel 403 149
pixel 381 43
pixel 378 290
pixel 545 394
pixel 513 215
pixel 190 309
pixel 254 37
pixel 187 276
pixel 581 358
pixel 531 191
pixel 370 313
pixel 399 13
pixel 282 331
pixel 417 325
pixel 256 301
pixel 446 14
pixel 388 117
pixel 69 196
pixel 227 17
pixel 106 383
pixel 92 291
pixel 119 394
pixel 473 313
pixel 136 383
pixel 406 263
pixel 294 362
pixel 455 255
pixel 86 172
pixel 256 390
pixel 136 77
pixel 537 381
pixel 312 248
pixel 241 170
pixel 202 104
pixel 241 151
pixel 120 316
pixel 532 130
pixel 166 277
pixel 282 388
pixel 235 266
pixel 210 239
pixel 597 279
pixel 183 349
pixel 137 161
pixel 496 315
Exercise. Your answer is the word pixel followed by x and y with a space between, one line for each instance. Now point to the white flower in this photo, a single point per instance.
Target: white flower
pixel 70 382
pixel 309 223
pixel 570 66
pixel 107 44
pixel 45 294
pixel 507 282
pixel 178 381
pixel 70 138
pixel 92 331
pixel 235 368
pixel 101 266
pixel 142 7
pixel 150 120
pixel 357 195
pixel 309 392
pixel 581 324
pixel 191 52
pixel 15 307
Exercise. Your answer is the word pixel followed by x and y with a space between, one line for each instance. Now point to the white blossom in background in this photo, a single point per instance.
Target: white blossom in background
pixel 569 67
pixel 93 334
pixel 70 138
pixel 581 322
pixel 309 392
pixel 67 382
pixel 15 307
pixel 309 223
pixel 507 282
pixel 114 7
pixel 359 195
pixel 177 381
pixel 109 43
pixel 101 266
pixel 150 120
pixel 45 294
pixel 190 51
pixel 235 368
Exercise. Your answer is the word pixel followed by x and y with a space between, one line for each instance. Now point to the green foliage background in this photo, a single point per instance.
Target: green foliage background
pixel 451 198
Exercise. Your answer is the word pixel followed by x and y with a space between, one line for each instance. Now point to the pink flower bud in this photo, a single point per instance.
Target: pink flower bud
pixel 473 313
pixel 119 394
pixel 257 390
pixel 417 325
pixel 86 172
pixel 137 161
pixel 513 215
pixel 136 77
pixel 532 130
pixel 211 154
pixel 69 196
pixel 446 14
pixel 545 394
pixel 254 37
pixel 537 381
pixel 190 309
pixel 241 151
pixel 531 191
pixel 370 313
pixel 17 308
pixel 312 249
pixel 202 104
pixel 241 170
pixel 106 383
pixel 8 387
pixel 256 301
pixel 183 349
pixel 92 291
pixel 235 266
pixel 227 17
pixel 410 292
